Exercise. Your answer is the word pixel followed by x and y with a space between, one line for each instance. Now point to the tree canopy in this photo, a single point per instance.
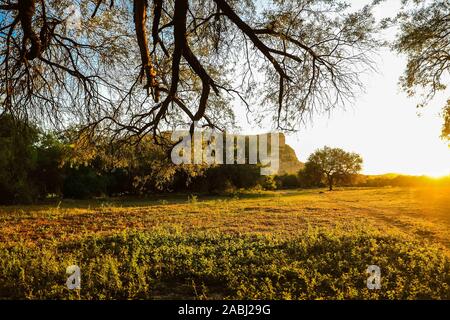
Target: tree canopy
pixel 140 66
pixel 446 125
pixel 425 39
pixel 334 165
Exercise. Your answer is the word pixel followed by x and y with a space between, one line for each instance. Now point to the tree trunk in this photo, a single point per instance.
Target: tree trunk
pixel 330 183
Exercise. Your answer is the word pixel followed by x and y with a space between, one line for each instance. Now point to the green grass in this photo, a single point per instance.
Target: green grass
pixel 272 245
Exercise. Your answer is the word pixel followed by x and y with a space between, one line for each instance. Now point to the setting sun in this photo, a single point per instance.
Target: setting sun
pixel 385 127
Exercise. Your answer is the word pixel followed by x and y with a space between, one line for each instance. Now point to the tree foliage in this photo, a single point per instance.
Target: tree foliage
pixel 334 165
pixel 137 66
pixel 35 166
pixel 425 39
pixel 311 175
pixel 446 125
pixel 17 160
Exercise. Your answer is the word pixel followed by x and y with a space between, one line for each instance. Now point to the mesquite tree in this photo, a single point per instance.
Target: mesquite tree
pixel 141 66
pixel 424 38
pixel 334 165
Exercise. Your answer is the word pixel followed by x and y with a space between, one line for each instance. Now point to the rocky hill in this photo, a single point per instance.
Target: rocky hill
pixel 289 163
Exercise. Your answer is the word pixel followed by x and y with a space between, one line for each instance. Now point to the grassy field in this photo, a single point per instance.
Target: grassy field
pixel 305 244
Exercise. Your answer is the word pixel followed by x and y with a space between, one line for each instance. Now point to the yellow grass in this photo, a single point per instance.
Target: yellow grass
pixel 420 213
pixel 302 244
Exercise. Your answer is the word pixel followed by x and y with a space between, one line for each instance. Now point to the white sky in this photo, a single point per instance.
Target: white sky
pixel 383 125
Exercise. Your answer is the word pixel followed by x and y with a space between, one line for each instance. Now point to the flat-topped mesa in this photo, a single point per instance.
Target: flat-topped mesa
pixel 203 148
pixel 289 163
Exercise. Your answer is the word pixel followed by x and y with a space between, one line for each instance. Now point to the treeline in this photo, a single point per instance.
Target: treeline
pixel 363 181
pixel 35 165
pixel 401 181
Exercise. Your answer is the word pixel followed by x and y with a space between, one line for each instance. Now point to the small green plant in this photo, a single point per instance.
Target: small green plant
pixel 192 199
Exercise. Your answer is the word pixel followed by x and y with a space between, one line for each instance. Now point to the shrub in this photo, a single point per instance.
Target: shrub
pixel 83 182
pixel 269 183
pixel 287 181
pixel 162 264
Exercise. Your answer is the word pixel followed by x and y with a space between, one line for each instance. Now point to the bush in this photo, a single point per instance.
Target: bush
pixel 227 178
pixel 211 265
pixel 269 183
pixel 83 183
pixel 287 181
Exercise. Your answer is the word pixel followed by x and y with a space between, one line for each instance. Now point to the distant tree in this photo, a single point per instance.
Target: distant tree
pixel 335 165
pixel 425 39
